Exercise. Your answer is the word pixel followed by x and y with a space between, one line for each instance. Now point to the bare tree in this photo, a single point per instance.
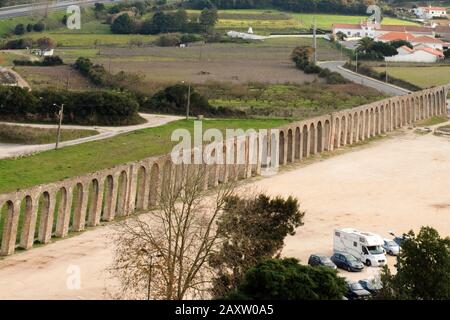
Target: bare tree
pixel 164 255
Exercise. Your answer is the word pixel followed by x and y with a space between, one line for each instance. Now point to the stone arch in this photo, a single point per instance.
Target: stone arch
pixel 298 137
pixel 377 121
pixel 43 215
pixel 108 197
pixel 312 139
pixel 343 130
pixel 305 141
pixel 403 118
pixel 367 124
pixel 59 217
pixel 319 137
pixel 27 223
pixel 355 127
pixel 349 130
pixel 382 119
pixel 122 191
pixel 6 211
pixel 166 176
pixel 337 130
pixel 361 125
pixel 212 172
pixel 265 151
pixel 327 129
pixel 289 146
pixel 372 122
pixel 154 185
pixel 422 108
pixel 141 184
pixel 77 206
pixel 281 148
pixel 93 202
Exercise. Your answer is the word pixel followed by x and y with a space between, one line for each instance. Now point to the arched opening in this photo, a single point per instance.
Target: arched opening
pixel 319 137
pixel 60 210
pixel 355 127
pixel 140 188
pixel 77 203
pixel 337 130
pixel 377 121
pixel 265 151
pixel 297 143
pixel 154 185
pixel 371 123
pixel 312 139
pixel 343 129
pixel 122 191
pixel 289 146
pixel 327 136
pixel 348 131
pixel 212 172
pixel 305 141
pixel 281 148
pixel 6 210
pixel 107 204
pixel 92 205
pixel 361 126
pixel 42 216
pixel 25 224
pixel 382 119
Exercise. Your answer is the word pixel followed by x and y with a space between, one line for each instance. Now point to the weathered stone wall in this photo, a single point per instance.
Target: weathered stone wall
pixel 73 204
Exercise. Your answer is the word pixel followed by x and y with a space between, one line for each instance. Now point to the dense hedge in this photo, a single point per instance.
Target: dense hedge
pixel 173 100
pixel 87 108
pixel 46 62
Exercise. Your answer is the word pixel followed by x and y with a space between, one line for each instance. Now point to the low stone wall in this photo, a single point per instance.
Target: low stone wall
pixel 55 209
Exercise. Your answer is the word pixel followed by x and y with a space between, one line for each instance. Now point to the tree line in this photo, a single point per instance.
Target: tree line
pixel 326 6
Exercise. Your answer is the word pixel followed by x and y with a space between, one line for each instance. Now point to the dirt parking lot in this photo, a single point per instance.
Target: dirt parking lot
pixel 394 184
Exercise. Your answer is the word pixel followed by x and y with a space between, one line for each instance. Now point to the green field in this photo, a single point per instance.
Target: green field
pixel 50 166
pixel 31 135
pixel 424 77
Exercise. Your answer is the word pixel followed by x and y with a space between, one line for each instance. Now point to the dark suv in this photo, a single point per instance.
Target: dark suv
pixel 321 260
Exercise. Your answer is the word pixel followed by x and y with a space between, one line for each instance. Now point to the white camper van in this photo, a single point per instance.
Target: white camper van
pixel 365 246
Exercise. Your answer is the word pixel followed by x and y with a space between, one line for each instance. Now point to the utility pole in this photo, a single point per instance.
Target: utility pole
pixel 315 40
pixel 60 116
pixel 188 102
pixel 386 70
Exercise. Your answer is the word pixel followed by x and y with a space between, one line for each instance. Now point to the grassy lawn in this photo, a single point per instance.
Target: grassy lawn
pixel 76 160
pixel 432 121
pixel 30 135
pixel 266 21
pixel 424 77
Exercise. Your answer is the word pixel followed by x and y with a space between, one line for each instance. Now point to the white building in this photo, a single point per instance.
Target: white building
pixel 374 30
pixel 430 12
pixel 421 54
pixel 245 35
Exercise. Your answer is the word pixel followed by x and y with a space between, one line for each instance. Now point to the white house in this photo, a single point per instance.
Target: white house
pixel 423 54
pixel 430 12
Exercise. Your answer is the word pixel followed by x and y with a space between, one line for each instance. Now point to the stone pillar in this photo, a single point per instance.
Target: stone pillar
pixel 96 214
pixel 11 221
pixel 131 194
pixel 29 223
pixel 46 223
pixel 111 213
pixel 79 216
pixel 62 226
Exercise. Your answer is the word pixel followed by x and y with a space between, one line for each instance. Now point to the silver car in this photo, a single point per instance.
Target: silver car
pixel 391 247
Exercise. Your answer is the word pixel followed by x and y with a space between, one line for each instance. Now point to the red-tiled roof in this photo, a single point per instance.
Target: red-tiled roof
pixel 405 28
pixel 407 49
pixel 434 8
pixel 393 36
pixel 425 39
pixel 432 51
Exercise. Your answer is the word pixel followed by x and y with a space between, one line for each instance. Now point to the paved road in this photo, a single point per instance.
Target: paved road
pixel 14 150
pixel 369 82
pixel 27 9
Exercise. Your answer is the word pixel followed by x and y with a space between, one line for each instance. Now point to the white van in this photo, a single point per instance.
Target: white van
pixel 364 246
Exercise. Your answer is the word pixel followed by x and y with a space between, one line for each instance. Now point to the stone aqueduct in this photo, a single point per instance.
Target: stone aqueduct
pixel 37 214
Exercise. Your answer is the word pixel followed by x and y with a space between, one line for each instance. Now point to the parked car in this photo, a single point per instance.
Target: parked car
pixel 371 285
pixel 321 260
pixel 391 247
pixel 399 240
pixel 347 262
pixel 355 291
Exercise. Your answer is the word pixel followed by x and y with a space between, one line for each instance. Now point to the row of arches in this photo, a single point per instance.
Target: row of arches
pixel 37 215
